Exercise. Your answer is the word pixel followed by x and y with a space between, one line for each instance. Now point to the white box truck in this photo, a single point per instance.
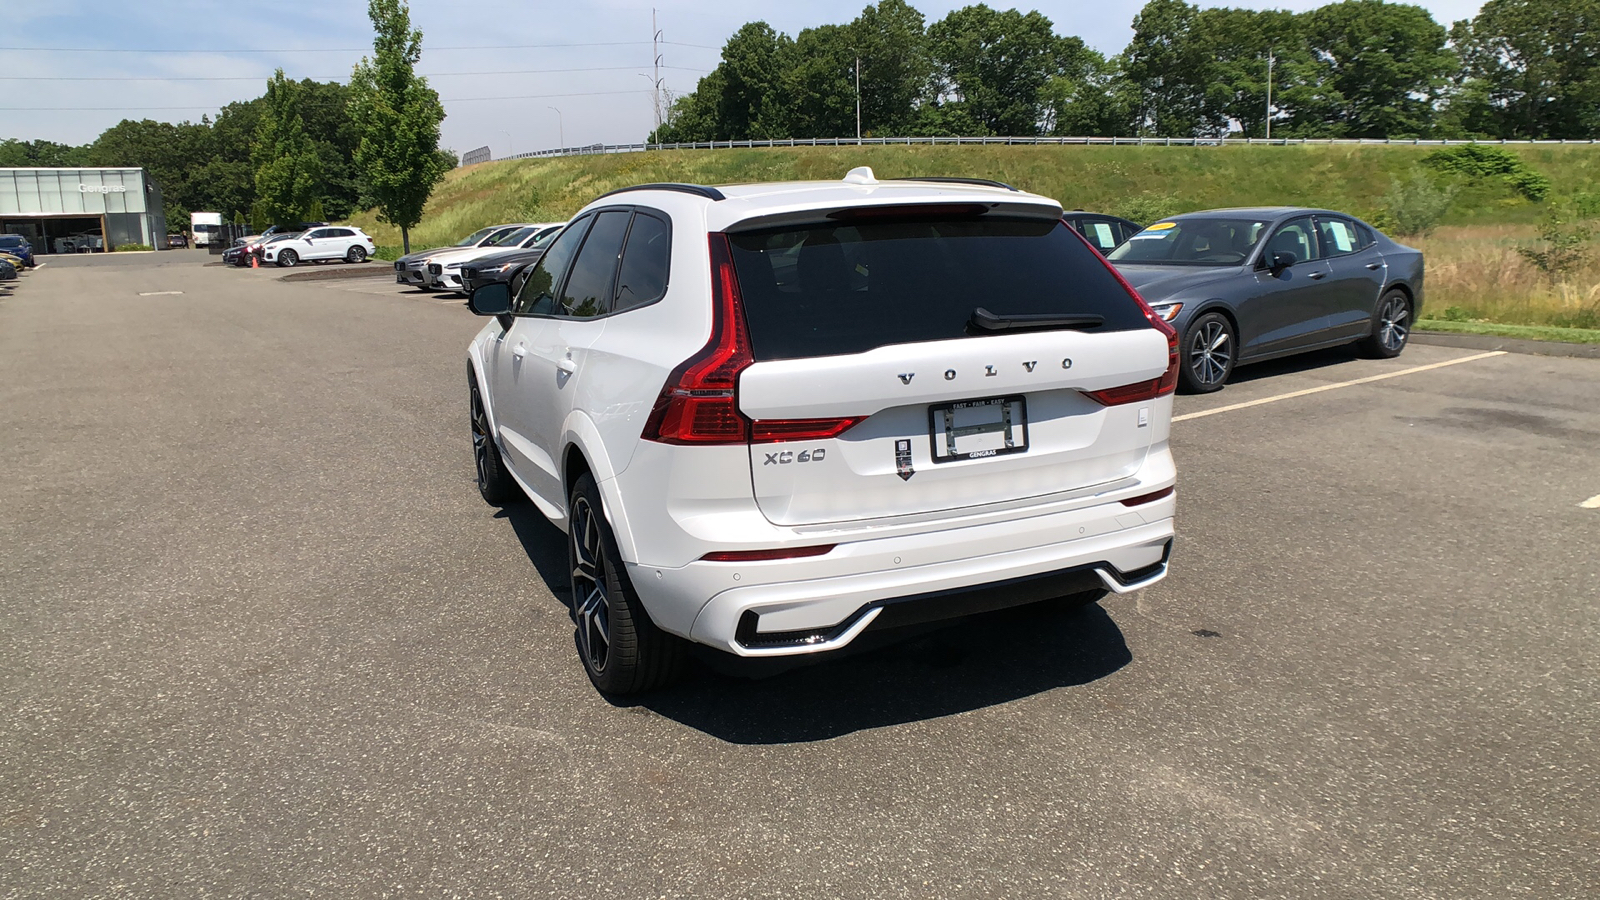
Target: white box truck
pixel 206 228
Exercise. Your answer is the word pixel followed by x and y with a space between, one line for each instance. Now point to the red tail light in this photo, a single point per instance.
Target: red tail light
pixel 759 555
pixel 1139 390
pixel 1142 499
pixel 699 403
pixel 770 431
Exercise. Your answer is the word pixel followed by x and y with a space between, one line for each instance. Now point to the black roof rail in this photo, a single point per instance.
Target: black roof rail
pixel 945 179
pixel 699 190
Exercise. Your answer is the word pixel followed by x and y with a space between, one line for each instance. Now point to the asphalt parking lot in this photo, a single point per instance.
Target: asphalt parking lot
pixel 262 638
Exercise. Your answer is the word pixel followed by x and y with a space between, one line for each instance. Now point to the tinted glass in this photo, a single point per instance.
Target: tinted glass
pixel 1101 233
pixel 1338 236
pixel 587 291
pixel 318 233
pixel 499 237
pixel 515 238
pixel 472 239
pixel 11 240
pixel 538 294
pixel 1297 237
pixel 643 277
pixel 542 237
pixel 834 289
pixel 1192 242
pixel 1367 238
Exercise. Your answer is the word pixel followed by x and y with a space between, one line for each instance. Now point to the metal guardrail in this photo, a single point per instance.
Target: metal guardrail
pixel 593 149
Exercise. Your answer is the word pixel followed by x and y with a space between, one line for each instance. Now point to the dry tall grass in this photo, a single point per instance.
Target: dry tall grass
pixel 1475 274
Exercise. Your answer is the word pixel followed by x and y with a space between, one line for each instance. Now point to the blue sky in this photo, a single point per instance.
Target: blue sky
pixel 600 88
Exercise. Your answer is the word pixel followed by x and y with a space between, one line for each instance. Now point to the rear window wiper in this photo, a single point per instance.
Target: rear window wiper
pixel 984 320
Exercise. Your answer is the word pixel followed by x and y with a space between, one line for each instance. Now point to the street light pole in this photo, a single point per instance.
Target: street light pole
pixel 1269 93
pixel 511 149
pixel 858 100
pixel 561 126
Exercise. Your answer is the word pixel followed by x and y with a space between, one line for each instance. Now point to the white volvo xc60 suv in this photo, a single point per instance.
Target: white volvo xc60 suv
pixel 769 417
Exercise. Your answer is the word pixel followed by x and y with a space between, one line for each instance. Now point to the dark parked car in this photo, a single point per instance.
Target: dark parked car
pixel 18 246
pixel 1245 285
pixel 8 272
pixel 1105 232
pixel 500 265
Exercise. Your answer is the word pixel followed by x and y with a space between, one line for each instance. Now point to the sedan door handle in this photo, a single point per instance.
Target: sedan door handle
pixel 1316 276
pixel 520 351
pixel 1374 266
pixel 567 365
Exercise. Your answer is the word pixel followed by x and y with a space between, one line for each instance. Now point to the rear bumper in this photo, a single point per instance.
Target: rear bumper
pixel 811 605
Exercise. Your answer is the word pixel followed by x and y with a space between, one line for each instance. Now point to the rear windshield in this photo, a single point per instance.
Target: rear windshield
pixel 834 289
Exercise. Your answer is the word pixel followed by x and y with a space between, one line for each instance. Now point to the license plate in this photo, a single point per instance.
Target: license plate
pixel 974 429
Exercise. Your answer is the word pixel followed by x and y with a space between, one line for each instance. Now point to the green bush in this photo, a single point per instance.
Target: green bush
pixel 1416 205
pixel 1586 204
pixel 1561 248
pixel 1147 208
pixel 130 248
pixel 1481 161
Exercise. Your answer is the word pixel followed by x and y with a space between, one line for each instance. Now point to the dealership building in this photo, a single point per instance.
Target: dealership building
pixel 79 210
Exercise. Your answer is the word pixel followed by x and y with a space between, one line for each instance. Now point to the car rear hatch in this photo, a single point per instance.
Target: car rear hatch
pixel 916 361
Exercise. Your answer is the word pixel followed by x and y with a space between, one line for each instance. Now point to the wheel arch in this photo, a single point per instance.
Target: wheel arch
pixel 583 450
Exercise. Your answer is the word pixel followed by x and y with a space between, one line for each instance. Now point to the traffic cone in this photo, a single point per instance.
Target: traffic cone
pixel 255 261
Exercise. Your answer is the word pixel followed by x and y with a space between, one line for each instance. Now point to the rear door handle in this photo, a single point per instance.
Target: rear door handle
pixel 1374 266
pixel 520 351
pixel 1316 276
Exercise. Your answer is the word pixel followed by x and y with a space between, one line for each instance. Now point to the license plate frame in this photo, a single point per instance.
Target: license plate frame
pixel 1010 422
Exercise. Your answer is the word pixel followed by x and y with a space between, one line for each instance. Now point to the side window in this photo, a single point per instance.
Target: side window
pixel 1298 237
pixel 1338 237
pixel 1367 238
pixel 316 233
pixel 587 291
pixel 643 278
pixel 538 294
pixel 1103 235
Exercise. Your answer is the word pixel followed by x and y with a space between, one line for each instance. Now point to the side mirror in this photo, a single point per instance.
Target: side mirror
pixel 1281 260
pixel 493 299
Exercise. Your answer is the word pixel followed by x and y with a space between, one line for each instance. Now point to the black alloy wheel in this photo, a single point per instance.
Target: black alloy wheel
pixel 288 258
pixel 1391 328
pixel 356 255
pixel 494 482
pixel 1209 353
pixel 622 651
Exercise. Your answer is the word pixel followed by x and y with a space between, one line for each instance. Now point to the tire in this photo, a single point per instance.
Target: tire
pixel 622 651
pixel 494 482
pixel 1207 354
pixel 356 255
pixel 288 258
pixel 1391 327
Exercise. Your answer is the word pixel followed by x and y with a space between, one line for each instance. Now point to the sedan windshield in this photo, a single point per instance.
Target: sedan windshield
pixel 1192 242
pixel 515 238
pixel 11 240
pixel 472 239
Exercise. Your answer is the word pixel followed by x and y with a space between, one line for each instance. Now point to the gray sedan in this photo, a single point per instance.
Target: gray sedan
pixel 1246 285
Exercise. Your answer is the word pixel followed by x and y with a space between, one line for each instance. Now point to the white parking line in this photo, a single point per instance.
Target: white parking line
pixel 1333 387
pixel 1591 503
pixel 160 293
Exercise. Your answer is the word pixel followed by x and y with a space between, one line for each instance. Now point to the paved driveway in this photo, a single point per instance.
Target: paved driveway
pixel 261 638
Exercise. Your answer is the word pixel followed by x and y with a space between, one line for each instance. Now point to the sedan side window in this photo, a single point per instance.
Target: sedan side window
pixel 643 278
pixel 588 291
pixel 1337 236
pixel 1297 238
pixel 538 294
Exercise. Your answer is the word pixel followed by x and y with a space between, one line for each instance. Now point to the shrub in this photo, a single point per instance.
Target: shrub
pixel 1480 161
pixel 1586 204
pixel 130 248
pixel 1147 208
pixel 1416 205
pixel 1560 249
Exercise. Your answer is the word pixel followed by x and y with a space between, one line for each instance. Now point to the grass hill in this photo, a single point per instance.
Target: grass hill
pixel 1141 183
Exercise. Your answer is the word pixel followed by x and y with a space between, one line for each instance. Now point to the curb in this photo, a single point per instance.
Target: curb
pixel 1508 344
pixel 362 270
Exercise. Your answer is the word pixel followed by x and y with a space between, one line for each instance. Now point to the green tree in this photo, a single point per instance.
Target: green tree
pixel 891 40
pixel 173 154
pixel 41 154
pixel 396 118
pixel 818 87
pixel 1381 69
pixel 1532 70
pixel 1165 74
pixel 288 170
pixel 994 66
pixel 1077 100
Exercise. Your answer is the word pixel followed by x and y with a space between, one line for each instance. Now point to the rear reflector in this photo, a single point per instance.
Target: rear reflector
pixel 771 431
pixel 1142 499
pixel 760 555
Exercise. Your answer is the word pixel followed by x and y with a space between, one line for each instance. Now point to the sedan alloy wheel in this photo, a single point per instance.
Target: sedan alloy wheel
pixel 1209 354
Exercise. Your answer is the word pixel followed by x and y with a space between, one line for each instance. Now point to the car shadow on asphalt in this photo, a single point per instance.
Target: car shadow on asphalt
pixel 884 678
pixel 1292 365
